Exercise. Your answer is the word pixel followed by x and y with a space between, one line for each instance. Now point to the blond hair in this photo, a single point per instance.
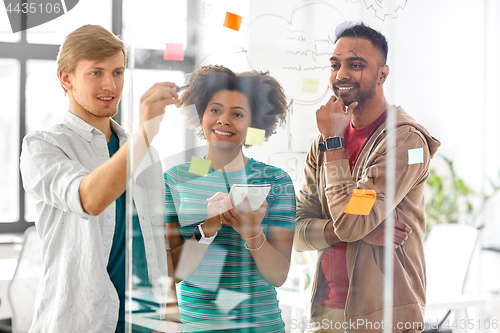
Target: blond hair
pixel 89 42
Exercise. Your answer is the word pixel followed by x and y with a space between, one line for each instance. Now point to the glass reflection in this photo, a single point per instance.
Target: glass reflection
pixel 9 151
pixel 295 41
pixel 228 261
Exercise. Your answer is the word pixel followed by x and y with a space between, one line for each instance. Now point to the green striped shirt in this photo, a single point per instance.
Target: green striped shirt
pixel 227 292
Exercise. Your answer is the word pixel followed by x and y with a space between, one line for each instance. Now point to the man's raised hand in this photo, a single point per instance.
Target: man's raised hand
pixel 332 118
pixel 152 107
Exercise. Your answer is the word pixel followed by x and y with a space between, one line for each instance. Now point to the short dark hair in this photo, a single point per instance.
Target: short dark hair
pixel 265 96
pixel 360 30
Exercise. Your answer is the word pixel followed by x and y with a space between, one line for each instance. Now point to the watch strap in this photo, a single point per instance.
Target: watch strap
pixel 197 233
pixel 200 235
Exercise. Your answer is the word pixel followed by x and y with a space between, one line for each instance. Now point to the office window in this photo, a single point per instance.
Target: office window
pixel 9 145
pixel 44 107
pixel 31 97
pixel 89 12
pixel 166 23
pixel 6 34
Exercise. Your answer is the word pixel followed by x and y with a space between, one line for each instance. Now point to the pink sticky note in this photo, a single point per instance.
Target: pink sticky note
pixel 174 52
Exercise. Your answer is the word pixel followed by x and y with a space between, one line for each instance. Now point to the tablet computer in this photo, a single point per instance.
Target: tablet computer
pixel 256 194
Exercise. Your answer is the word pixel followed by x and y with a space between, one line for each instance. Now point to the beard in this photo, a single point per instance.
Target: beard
pixel 361 97
pixel 95 110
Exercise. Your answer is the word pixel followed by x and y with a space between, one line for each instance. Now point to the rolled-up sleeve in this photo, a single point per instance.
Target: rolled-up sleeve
pixel 340 184
pixel 310 225
pixel 49 175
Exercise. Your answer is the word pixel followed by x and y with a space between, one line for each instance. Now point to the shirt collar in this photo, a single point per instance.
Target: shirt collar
pixel 84 129
pixel 119 131
pixel 78 125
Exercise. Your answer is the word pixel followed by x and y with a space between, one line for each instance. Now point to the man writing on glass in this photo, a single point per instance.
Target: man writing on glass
pixel 76 172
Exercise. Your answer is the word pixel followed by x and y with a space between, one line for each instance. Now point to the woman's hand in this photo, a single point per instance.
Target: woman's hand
pixel 216 205
pixel 215 208
pixel 247 224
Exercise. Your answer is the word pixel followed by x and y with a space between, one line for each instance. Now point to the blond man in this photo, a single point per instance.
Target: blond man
pixel 76 172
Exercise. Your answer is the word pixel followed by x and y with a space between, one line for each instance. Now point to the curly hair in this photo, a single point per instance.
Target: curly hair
pixel 265 96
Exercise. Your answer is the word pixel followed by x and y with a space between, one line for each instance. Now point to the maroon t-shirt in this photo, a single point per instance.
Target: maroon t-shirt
pixel 333 294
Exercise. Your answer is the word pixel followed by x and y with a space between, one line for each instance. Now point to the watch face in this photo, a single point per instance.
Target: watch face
pixel 200 236
pixel 333 143
pixel 197 233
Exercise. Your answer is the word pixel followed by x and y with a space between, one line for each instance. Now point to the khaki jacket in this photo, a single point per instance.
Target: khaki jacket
pixel 324 195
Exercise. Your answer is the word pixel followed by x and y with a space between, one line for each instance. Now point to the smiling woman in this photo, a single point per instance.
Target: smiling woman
pixel 264 94
pixel 226 118
pixel 229 261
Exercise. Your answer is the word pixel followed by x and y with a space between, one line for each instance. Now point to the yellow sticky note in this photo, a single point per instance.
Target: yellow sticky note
pixel 255 136
pixel 415 156
pixel 310 86
pixel 232 21
pixel 199 166
pixel 361 202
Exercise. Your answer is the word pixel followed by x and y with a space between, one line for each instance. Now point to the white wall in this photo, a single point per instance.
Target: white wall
pixel 443 58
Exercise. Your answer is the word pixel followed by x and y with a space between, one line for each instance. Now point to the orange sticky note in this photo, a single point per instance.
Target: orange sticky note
pixel 361 202
pixel 174 52
pixel 232 21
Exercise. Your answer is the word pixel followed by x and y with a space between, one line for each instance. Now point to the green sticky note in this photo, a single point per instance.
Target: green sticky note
pixel 255 136
pixel 310 86
pixel 199 166
pixel 415 156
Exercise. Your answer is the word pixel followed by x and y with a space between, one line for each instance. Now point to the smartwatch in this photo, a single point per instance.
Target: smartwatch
pixel 200 236
pixel 332 143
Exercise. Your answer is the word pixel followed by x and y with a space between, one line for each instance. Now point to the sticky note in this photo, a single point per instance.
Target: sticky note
pixel 310 86
pixel 174 52
pixel 232 21
pixel 415 156
pixel 199 166
pixel 255 136
pixel 228 299
pixel 361 202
